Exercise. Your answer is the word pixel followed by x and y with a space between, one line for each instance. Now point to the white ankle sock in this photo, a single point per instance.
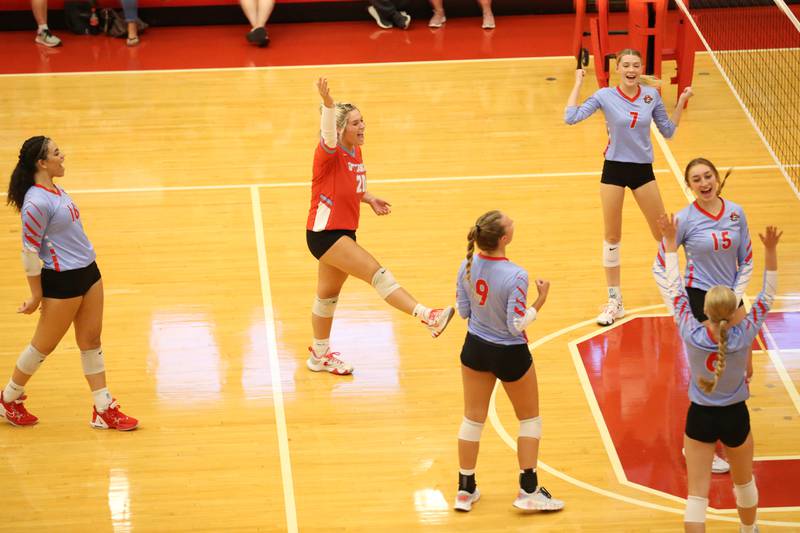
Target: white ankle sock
pixel 321 346
pixel 420 311
pixel 42 27
pixel 102 399
pixel 615 293
pixel 12 391
pixel 747 529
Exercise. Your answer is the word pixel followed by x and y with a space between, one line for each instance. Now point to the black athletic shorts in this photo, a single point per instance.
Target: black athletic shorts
pixel 632 175
pixel 320 241
pixel 729 424
pixel 697 299
pixel 506 362
pixel 69 283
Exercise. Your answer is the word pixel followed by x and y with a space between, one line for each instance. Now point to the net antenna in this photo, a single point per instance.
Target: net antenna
pixel 755 45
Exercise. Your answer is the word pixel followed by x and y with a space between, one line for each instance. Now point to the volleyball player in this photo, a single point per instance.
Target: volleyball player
pixel 491 294
pixel 717 353
pixel 338 185
pixel 68 287
pixel 629 109
pixel 716 240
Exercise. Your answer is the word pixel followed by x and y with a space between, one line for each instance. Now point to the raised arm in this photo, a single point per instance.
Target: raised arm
pixel 328 120
pixel 574 113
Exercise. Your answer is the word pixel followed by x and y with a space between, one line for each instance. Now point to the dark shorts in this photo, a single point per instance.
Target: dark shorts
pixel 69 283
pixel 506 362
pixel 729 424
pixel 320 241
pixel 632 175
pixel 697 298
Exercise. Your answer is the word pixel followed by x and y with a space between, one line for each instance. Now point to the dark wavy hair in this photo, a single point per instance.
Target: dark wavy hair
pixel 32 151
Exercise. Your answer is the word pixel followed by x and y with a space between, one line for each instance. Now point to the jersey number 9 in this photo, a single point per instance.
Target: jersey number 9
pixel 482 289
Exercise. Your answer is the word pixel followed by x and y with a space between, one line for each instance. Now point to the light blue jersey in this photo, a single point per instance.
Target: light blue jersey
pixel 52 228
pixel 701 348
pixel 497 296
pixel 627 121
pixel 718 248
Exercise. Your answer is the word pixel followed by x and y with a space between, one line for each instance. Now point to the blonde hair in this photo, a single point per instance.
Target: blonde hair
pixel 720 305
pixel 486 234
pixel 646 79
pixel 703 161
pixel 342 111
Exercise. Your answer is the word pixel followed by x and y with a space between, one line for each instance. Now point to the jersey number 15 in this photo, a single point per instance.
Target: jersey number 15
pixel 722 241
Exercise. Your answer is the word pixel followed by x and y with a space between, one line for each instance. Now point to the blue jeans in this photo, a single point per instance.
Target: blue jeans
pixel 131 9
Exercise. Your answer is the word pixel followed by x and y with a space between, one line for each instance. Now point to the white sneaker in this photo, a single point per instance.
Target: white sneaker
pixel 539 500
pixel 46 38
pixel 464 500
pixel 438 320
pixel 328 362
pixel 755 528
pixel 720 465
pixel 610 312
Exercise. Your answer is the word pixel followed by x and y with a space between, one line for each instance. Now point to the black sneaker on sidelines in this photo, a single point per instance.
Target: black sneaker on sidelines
pixel 403 21
pixel 381 23
pixel 258 37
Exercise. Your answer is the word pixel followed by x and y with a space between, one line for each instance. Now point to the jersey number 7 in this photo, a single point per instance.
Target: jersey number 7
pixel 635 117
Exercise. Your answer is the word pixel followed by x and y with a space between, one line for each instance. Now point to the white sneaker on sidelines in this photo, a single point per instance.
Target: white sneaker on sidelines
pixel 438 320
pixel 46 38
pixel 611 311
pixel 538 500
pixel 718 465
pixel 755 528
pixel 464 500
pixel 328 362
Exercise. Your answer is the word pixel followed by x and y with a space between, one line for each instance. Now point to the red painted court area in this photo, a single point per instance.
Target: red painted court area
pixel 640 377
pixel 295 44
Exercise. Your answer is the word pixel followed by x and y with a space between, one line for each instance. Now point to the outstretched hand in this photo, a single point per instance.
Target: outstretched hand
pixel 668 224
pixel 771 238
pixel 380 206
pixel 579 75
pixel 325 92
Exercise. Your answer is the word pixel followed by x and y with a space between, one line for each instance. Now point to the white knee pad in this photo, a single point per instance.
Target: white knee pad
pixel 695 509
pixel 92 361
pixel 324 307
pixel 384 282
pixel 531 427
pixel 30 360
pixel 611 254
pixel 470 430
pixel 746 495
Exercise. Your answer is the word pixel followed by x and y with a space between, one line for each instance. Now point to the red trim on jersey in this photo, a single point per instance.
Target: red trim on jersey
pixel 710 334
pixel 33 241
pixel 691 276
pixel 57 192
pixel 661 259
pixel 37 208
pixel 748 258
pixel 55 259
pixel 709 215
pixel 520 290
pixel 492 258
pixel 761 306
pixel 34 219
pixel 628 98
pixel 27 227
pixel 519 312
pixel 520 302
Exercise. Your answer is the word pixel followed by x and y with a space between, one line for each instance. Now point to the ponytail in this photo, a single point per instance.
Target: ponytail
pixel 22 178
pixel 708 385
pixel 486 235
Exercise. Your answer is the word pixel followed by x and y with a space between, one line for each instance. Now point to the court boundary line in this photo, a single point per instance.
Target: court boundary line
pixel 290 508
pixel 505 437
pixel 285 67
pixel 747 113
pixel 307 183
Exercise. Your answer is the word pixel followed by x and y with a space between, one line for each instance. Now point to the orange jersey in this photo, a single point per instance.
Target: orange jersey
pixel 337 187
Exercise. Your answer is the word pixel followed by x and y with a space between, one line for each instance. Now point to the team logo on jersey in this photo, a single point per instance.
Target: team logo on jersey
pixel 734 216
pixel 648 99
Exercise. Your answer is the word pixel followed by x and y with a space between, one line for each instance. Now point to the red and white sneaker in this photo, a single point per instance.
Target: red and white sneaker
pixel 15 412
pixel 328 362
pixel 610 312
pixel 113 418
pixel 438 320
